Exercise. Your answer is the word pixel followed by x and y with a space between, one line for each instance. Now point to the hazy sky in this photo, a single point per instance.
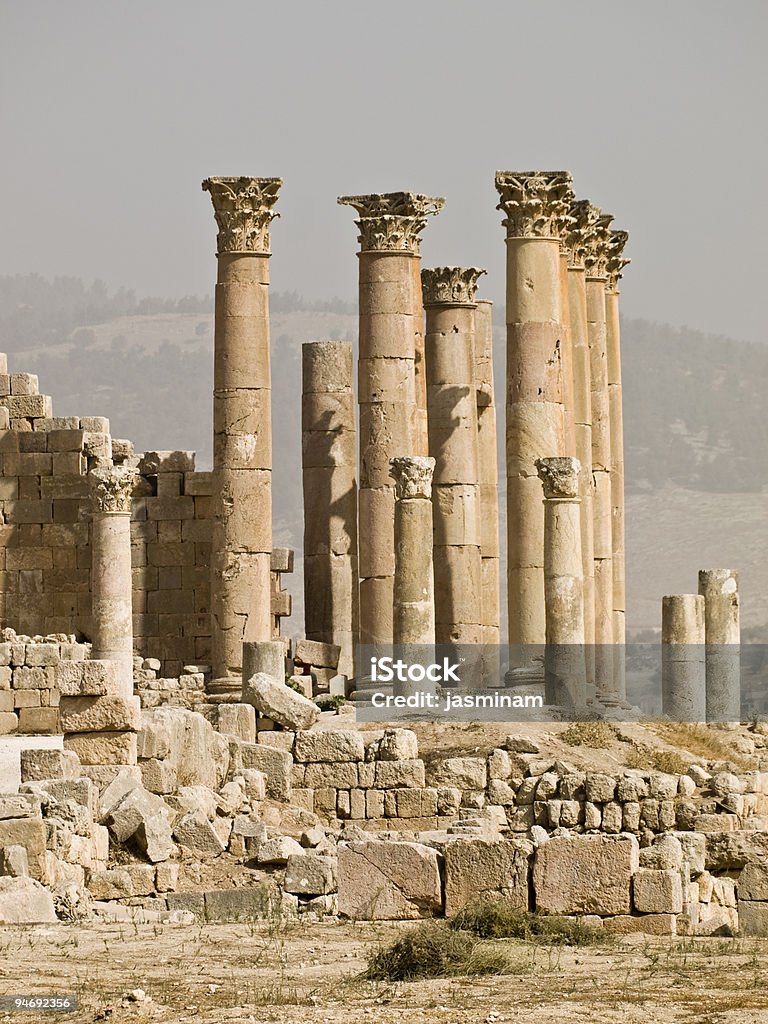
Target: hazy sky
pixel 112 113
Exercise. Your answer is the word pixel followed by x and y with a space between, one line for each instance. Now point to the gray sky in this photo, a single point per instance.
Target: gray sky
pixel 112 113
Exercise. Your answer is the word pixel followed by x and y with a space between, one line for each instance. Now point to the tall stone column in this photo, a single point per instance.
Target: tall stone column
pixel 329 476
pixel 563 228
pixel 596 261
pixel 722 634
pixel 683 672
pixel 575 246
pixel 111 578
pixel 421 433
pixel 390 424
pixel 616 262
pixel 242 420
pixel 449 301
pixel 413 602
pixel 533 203
pixel 488 473
pixel 565 678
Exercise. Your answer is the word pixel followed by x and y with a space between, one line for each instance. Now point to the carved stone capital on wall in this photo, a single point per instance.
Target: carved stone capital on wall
pixel 596 239
pixel 450 286
pixel 535 204
pixel 560 476
pixel 412 475
pixel 111 488
pixel 243 211
pixel 616 260
pixel 392 221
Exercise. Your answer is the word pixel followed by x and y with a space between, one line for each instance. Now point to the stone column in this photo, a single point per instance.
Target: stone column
pixel 413 600
pixel 683 672
pixel 596 260
pixel 449 301
pixel 575 245
pixel 330 497
pixel 421 434
pixel 722 634
pixel 488 473
pixel 533 203
pixel 616 262
pixel 565 678
pixel 390 423
pixel 111 578
pixel 242 429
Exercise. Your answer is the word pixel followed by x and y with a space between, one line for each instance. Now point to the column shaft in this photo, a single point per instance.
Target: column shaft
pixel 452 418
pixel 488 473
pixel 722 633
pixel 533 204
pixel 390 423
pixel 242 442
pixel 413 602
pixel 329 475
pixel 111 577
pixel 683 672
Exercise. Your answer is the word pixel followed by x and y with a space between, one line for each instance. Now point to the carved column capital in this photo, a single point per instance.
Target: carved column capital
pixel 616 261
pixel 111 488
pixel 574 240
pixel 596 238
pixel 412 475
pixel 535 204
pixel 560 476
pixel 243 211
pixel 392 221
pixel 450 286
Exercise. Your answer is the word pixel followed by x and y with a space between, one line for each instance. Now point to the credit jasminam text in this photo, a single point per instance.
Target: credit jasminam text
pixel 447 701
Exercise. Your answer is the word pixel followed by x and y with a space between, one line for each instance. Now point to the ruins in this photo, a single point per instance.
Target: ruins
pixel 159 719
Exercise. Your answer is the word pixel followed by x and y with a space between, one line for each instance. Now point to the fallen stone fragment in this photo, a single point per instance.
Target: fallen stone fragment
pixel 273 699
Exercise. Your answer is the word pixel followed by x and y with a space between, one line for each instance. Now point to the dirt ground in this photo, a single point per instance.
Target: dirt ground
pixel 309 974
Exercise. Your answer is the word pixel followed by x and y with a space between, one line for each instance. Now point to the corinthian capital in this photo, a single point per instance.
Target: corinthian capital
pixel 392 221
pixel 243 211
pixel 535 203
pixel 111 489
pixel 560 476
pixel 412 475
pixel 616 261
pixel 596 239
pixel 450 286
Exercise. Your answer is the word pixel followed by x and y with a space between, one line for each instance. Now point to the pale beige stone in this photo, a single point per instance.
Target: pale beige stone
pixel 388 881
pixel 100 748
pixel 273 699
pixel 100 714
pixel 586 875
pixel 657 891
pixel 478 869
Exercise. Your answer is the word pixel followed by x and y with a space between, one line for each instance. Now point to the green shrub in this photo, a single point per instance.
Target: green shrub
pixel 498 920
pixel 429 951
pixel 330 703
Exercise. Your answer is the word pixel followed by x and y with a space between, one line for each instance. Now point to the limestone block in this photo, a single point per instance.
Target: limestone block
pixel 142 878
pixel 113 884
pixel 14 861
pixel 238 720
pixel 9 723
pixel 753 882
pixel 397 745
pixel 329 745
pixel 87 678
pixel 99 748
pixel 646 924
pixel 275 764
pixel 243 904
pixel 631 788
pixel 198 798
pixel 499 765
pixel 500 792
pixel 279 850
pixel 195 832
pixel 167 877
pixel 100 714
pixel 254 782
pixel 21 805
pixel 461 772
pixel 29 833
pixel 48 764
pixel 400 774
pixel 42 655
pixel 753 918
pixel 585 875
pixel 33 721
pixel 25 901
pixel 657 891
pixel 732 851
pixel 478 869
pixel 665 853
pixel 310 874
pixel 599 787
pixel 273 699
pixel 388 881
pixel 338 775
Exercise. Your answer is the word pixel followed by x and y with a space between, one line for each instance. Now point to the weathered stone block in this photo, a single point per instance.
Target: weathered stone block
pixel 753 882
pixel 461 772
pixel 14 861
pixel 313 652
pixel 19 805
pixel 39 721
pixel 645 924
pixel 275 764
pixel 753 918
pixel 329 745
pixel 273 699
pixel 388 881
pixel 585 875
pixel 477 869
pixel 48 764
pixel 658 891
pixel 400 775
pixel 100 714
pixel 103 747
pixel 25 901
pixel 195 832
pixel 232 905
pixel 310 874
pixel 599 788
pixel 114 884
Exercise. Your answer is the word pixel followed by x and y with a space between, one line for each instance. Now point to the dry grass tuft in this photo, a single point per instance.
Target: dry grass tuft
pixel 597 734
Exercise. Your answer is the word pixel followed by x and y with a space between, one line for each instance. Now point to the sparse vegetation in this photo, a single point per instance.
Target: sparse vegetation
pixel 331 703
pixel 497 920
pixel 597 734
pixel 435 950
pixel 649 760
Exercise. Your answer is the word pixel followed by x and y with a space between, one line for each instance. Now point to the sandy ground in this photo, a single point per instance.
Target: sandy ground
pixel 308 974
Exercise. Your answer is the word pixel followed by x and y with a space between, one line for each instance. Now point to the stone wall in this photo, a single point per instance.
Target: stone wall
pixel 45 552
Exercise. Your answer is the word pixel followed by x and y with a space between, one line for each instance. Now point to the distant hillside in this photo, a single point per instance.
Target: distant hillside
pixel 695 429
